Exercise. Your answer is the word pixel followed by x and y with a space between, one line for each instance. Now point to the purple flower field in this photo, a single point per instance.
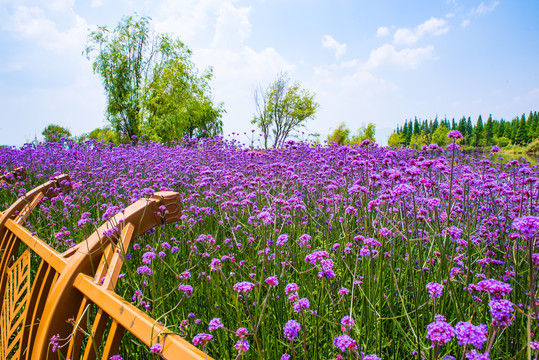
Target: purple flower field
pixel 311 251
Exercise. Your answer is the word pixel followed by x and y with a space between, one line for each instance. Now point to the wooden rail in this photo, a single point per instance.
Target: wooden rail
pixel 58 299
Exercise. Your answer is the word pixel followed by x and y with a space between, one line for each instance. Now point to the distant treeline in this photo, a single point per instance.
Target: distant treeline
pixel 519 131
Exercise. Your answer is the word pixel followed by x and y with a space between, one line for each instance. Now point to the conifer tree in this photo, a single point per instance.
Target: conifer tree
pixel 522 132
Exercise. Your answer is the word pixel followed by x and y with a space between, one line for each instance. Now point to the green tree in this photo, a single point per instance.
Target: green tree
pixel 340 136
pixel 105 135
pixel 283 108
pixel 54 133
pixel 150 81
pixel 396 139
pixel 522 132
pixel 440 135
pixel 364 133
pixel 488 133
pixel 478 132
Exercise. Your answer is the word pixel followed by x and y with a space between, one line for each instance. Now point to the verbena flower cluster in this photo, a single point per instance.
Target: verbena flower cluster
pixel 309 251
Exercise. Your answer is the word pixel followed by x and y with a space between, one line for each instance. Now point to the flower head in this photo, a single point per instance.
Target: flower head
pixel 345 342
pixel 435 289
pixel 215 324
pixel 156 348
pixel 527 225
pixel 440 332
pixel 202 339
pixel 454 134
pixel 291 329
pixel 244 286
pixel 469 334
pixel 242 345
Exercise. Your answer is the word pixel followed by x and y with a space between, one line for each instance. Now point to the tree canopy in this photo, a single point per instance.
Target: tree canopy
pixel 282 109
pixel 54 133
pixel 151 84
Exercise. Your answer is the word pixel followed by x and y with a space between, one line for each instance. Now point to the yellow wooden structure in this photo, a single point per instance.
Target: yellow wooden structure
pixel 58 299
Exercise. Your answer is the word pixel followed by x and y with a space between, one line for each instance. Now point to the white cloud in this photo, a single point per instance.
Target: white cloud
pixel 408 58
pixel 464 24
pixel 32 24
pixel 232 26
pixel 482 8
pixel 330 43
pixel 433 26
pixel 382 31
pixel 96 3
pixel 405 37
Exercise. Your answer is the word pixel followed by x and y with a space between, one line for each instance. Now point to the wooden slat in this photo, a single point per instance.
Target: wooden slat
pixel 136 322
pixel 114 339
pixel 37 245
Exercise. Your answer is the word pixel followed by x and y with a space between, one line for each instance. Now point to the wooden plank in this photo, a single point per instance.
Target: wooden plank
pixel 44 251
pixel 136 321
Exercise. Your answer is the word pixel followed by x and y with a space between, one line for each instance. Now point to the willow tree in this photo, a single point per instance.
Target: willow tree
pixel 150 82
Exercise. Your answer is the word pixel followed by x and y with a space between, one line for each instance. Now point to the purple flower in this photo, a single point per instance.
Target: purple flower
pixel 272 280
pixel 474 355
pixel 495 149
pixel 186 289
pixel 242 345
pixel 440 332
pixel 156 348
pixel 285 357
pixel 534 345
pixel 145 270
pixel 241 332
pixel 435 289
pixel 282 239
pixel 148 257
pixel 301 304
pixel 202 339
pixel 215 264
pixel 292 287
pixel 244 286
pixel 215 324
pixel 371 357
pixel 469 334
pixel 453 146
pixel 527 225
pixel 501 311
pixel 316 256
pixel 347 322
pixel 291 330
pixel 454 134
pixel 495 288
pixel 116 357
pixel 345 342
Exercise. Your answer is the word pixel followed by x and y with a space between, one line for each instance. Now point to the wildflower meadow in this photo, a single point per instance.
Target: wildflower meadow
pixel 310 251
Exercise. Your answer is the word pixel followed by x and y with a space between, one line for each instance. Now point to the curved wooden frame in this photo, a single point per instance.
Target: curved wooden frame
pixel 66 284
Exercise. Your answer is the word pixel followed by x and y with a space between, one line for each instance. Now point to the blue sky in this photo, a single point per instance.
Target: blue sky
pixel 367 61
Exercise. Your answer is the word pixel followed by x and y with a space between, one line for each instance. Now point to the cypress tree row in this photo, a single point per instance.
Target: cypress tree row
pixel 519 131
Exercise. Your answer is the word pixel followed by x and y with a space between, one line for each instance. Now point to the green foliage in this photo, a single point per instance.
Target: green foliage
pixel 151 83
pixel 533 147
pixel 502 141
pixel 520 130
pixel 282 108
pixel 417 141
pixel 364 133
pixel 396 139
pixel 440 135
pixel 104 135
pixel 340 136
pixel 54 133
